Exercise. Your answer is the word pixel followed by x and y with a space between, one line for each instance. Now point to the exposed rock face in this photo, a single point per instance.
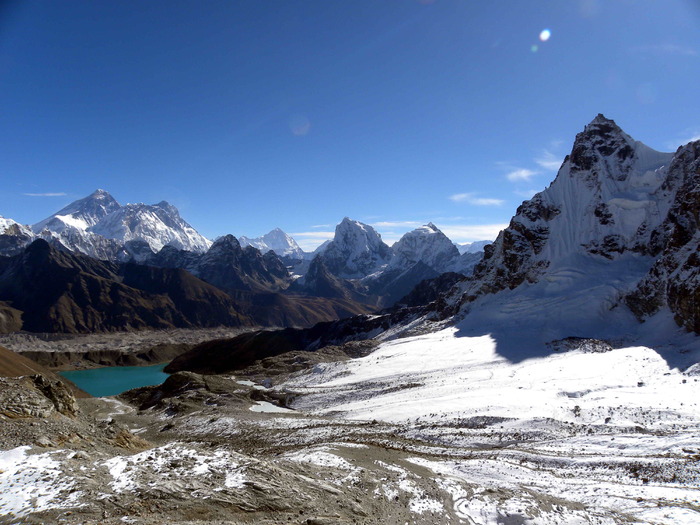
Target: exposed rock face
pixel 421 254
pixel 200 303
pixel 35 397
pixel 674 279
pixel 320 282
pixel 431 290
pixel 382 274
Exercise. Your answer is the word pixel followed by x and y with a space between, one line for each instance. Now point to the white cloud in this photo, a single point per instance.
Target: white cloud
pixel 397 224
pixel 521 174
pixel 309 241
pixel 57 194
pixel 549 161
pixel 685 137
pixel 476 201
pixel 461 233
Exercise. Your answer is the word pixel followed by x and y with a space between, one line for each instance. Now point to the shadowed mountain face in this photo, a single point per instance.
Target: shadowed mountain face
pixel 62 292
pixel 228 266
pixel 57 291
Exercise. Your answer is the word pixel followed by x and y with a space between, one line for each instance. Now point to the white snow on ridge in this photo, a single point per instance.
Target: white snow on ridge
pixel 6 224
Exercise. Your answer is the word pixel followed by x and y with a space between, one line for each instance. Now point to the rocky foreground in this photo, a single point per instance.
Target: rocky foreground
pixel 229 449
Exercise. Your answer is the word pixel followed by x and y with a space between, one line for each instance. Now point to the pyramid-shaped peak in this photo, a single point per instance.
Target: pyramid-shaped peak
pixel 226 239
pixel 603 126
pixel 431 226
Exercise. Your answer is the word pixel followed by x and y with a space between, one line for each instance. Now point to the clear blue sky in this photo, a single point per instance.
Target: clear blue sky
pixel 253 114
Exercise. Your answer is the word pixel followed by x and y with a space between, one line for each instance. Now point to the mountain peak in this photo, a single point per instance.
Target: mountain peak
pixel 356 250
pixel 276 240
pixel 226 239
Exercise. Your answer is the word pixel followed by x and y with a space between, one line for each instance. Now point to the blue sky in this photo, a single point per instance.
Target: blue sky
pixel 254 114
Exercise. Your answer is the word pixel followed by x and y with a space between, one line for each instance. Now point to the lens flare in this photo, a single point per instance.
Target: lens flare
pixel 299 125
pixel 545 34
pixel 534 48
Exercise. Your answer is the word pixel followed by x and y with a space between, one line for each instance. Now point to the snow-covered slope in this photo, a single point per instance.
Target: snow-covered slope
pixel 613 430
pixel 278 241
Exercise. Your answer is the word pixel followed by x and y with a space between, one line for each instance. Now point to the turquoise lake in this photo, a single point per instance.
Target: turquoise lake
pixel 113 380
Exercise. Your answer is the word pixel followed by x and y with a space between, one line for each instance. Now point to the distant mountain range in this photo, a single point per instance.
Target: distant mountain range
pixel 270 279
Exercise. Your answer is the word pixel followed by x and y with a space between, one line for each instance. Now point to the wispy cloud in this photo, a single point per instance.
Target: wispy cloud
pixel 309 241
pixel 548 161
pixel 667 49
pixel 397 224
pixel 57 194
pixel 689 135
pixel 315 226
pixel 521 175
pixel 471 198
pixel 462 233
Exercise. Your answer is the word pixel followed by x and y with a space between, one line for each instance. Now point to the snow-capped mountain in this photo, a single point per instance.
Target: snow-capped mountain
pixel 428 245
pixel 356 250
pixel 14 236
pixel 81 214
pixel 99 226
pixel 278 241
pixel 157 224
